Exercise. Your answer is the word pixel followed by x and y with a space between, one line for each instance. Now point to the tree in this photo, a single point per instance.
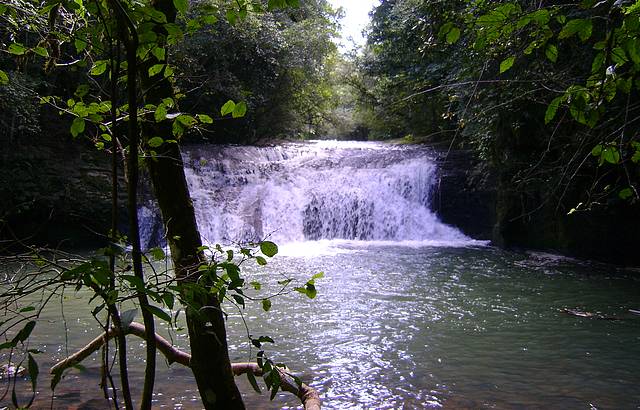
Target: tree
pixel 127 43
pixel 545 95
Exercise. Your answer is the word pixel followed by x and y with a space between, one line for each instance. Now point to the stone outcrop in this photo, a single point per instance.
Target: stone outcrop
pixel 466 194
pixel 55 191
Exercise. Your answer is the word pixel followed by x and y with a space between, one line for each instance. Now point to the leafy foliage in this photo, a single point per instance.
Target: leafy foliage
pixel 531 88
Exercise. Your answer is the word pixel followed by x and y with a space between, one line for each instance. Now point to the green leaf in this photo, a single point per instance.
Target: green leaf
pixel 181 5
pixel 98 67
pixel 239 110
pixel 619 56
pixel 253 382
pixel 552 109
pixel 256 285
pixel 77 126
pixel 186 120
pixel 205 119
pixel 155 69
pixel 157 253
pixel 266 304
pixel 611 155
pixel 41 51
pixel 100 277
pixel 161 113
pixel 227 108
pixel 210 19
pixel 158 53
pixel 634 8
pixel 232 16
pixel 261 261
pixel 625 193
pixel 82 90
pixel 453 36
pixel 80 44
pixel 134 281
pixel 636 155
pixel 16 49
pixel 161 314
pixel 239 300
pixel 633 46
pixel 309 290
pixel 445 29
pixel 25 332
pixel 552 53
pixel 268 248
pixel 4 78
pixel 506 64
pixel 541 16
pixel 582 27
pixel 168 299
pixel 32 367
pixel 319 275
pixel 155 142
pixel 597 150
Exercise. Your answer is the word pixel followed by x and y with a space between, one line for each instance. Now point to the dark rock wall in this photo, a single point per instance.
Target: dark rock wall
pixel 55 191
pixel 466 194
pixel 484 205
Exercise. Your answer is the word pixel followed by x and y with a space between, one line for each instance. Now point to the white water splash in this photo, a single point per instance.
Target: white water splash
pixel 321 190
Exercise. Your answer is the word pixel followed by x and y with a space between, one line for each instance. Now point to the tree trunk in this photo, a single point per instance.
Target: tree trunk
pixel 207 334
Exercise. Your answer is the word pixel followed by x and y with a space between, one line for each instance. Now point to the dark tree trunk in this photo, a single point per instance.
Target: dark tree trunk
pixel 207 333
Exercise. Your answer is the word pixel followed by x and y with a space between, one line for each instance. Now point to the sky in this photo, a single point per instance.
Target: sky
pixel 355 20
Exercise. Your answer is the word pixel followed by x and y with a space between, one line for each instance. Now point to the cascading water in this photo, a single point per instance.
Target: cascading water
pixel 310 191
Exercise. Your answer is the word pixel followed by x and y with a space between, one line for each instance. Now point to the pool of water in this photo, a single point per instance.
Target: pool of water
pixel 410 325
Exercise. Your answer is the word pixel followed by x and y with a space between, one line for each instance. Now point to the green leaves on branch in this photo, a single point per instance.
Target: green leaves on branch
pixel 606 154
pixel 582 27
pixel 156 142
pixel 450 33
pixel 309 289
pixel 181 5
pixel 77 126
pixel 236 110
pixel 98 68
pixel 159 68
pixel 16 49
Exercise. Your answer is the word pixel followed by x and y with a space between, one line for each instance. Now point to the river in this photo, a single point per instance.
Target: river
pixel 410 313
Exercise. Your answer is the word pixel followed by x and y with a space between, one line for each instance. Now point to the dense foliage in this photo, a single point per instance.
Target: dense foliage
pixel 546 94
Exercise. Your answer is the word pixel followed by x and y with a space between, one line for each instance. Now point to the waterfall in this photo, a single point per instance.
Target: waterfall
pixel 314 190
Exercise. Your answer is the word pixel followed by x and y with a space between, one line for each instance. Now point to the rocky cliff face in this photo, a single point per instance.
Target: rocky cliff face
pixel 482 203
pixel 466 194
pixel 56 191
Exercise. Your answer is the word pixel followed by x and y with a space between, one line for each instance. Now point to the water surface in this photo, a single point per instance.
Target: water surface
pixel 416 326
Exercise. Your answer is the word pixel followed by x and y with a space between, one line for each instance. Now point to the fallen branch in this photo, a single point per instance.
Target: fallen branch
pixel 308 395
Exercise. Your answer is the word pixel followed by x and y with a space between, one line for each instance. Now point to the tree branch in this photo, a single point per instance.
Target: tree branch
pixel 309 396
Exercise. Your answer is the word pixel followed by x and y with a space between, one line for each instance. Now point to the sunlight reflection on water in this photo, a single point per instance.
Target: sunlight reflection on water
pixel 416 327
